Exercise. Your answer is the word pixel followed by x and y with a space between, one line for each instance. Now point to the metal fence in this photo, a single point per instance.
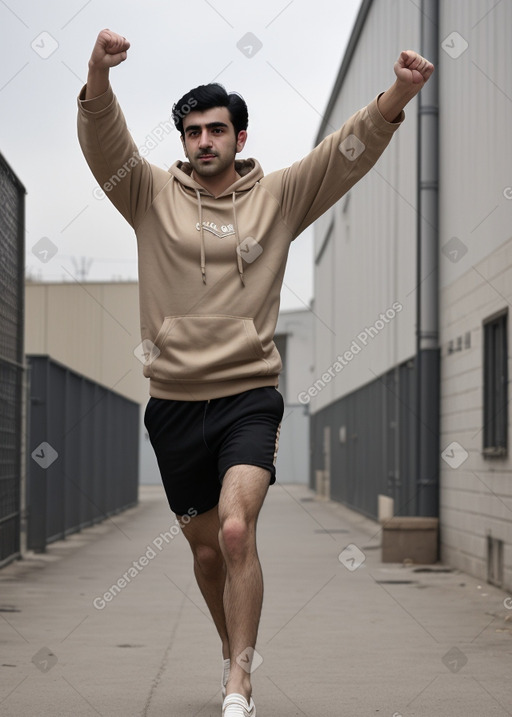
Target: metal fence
pixel 12 261
pixel 83 452
pixel 364 445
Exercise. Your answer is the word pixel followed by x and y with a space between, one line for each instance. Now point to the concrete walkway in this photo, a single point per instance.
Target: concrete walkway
pixel 338 637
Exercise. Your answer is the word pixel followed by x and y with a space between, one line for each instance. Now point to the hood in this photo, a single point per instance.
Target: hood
pixel 250 172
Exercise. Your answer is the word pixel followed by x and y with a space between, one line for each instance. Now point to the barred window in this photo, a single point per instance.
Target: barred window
pixel 496 386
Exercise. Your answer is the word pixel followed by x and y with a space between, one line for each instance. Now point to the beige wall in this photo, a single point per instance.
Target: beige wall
pixel 93 328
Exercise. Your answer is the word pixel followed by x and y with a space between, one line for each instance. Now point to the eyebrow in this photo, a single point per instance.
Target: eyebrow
pixel 210 125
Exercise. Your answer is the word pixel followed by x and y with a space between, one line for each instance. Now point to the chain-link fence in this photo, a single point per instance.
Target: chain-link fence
pixel 12 261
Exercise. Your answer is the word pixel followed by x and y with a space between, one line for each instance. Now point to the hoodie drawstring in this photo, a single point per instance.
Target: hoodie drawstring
pixel 203 250
pixel 238 254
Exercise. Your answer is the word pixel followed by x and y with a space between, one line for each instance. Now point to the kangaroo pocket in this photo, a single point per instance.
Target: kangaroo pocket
pixel 209 348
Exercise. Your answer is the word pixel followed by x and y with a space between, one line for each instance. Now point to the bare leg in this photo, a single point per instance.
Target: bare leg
pixel 202 532
pixel 243 491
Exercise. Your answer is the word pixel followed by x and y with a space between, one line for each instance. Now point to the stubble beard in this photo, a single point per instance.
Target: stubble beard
pixel 217 166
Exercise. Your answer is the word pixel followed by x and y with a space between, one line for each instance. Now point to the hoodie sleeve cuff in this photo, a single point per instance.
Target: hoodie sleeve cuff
pixel 97 105
pixel 378 120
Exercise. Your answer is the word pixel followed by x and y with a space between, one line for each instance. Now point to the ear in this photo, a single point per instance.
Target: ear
pixel 184 145
pixel 241 140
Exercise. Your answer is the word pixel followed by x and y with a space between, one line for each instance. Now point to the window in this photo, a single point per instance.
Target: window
pixel 495 386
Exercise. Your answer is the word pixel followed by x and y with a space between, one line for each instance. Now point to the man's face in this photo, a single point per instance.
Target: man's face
pixel 209 141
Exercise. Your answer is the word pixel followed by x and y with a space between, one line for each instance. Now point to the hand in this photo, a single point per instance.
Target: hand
pixel 109 51
pixel 412 70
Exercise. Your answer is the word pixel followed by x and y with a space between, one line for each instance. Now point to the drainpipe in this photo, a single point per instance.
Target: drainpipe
pixel 427 326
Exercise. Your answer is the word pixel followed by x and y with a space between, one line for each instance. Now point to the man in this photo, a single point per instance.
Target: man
pixel 213 236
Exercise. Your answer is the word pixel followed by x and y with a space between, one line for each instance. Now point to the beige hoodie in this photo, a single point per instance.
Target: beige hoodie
pixel 211 268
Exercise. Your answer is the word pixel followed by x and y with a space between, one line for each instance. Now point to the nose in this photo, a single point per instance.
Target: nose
pixel 205 139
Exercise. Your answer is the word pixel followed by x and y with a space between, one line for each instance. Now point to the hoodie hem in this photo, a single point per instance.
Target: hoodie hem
pixel 193 391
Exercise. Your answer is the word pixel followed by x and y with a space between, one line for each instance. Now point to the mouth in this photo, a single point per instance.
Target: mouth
pixel 206 157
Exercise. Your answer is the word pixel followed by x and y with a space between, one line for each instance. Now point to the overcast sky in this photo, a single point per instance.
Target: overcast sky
pixel 286 80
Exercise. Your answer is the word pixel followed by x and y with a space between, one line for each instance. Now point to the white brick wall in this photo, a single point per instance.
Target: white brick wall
pixel 476 498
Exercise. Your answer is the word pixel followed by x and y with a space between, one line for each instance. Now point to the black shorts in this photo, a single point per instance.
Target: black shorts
pixel 195 442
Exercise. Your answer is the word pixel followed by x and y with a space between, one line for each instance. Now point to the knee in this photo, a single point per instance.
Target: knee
pixel 236 538
pixel 208 559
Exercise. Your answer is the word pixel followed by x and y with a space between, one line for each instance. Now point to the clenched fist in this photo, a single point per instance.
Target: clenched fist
pixel 411 69
pixel 110 50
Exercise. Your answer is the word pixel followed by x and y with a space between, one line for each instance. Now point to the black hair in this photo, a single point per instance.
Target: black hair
pixel 204 98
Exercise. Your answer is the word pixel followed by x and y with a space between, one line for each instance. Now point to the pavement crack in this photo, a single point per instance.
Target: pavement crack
pixel 163 665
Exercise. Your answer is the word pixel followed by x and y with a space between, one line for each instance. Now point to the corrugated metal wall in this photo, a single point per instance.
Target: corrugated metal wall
pixel 475 262
pixel 369 260
pixel 365 268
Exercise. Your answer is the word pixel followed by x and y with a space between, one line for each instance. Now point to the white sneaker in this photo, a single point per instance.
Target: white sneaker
pixel 236 705
pixel 226 669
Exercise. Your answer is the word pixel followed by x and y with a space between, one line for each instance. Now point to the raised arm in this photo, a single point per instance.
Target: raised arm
pixel 312 185
pixel 109 51
pixel 412 71
pixel 120 168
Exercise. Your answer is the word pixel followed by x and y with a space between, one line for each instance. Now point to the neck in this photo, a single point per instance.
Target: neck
pixel 219 183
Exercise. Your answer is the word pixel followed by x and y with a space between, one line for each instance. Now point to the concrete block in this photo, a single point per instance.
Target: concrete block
pixel 410 538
